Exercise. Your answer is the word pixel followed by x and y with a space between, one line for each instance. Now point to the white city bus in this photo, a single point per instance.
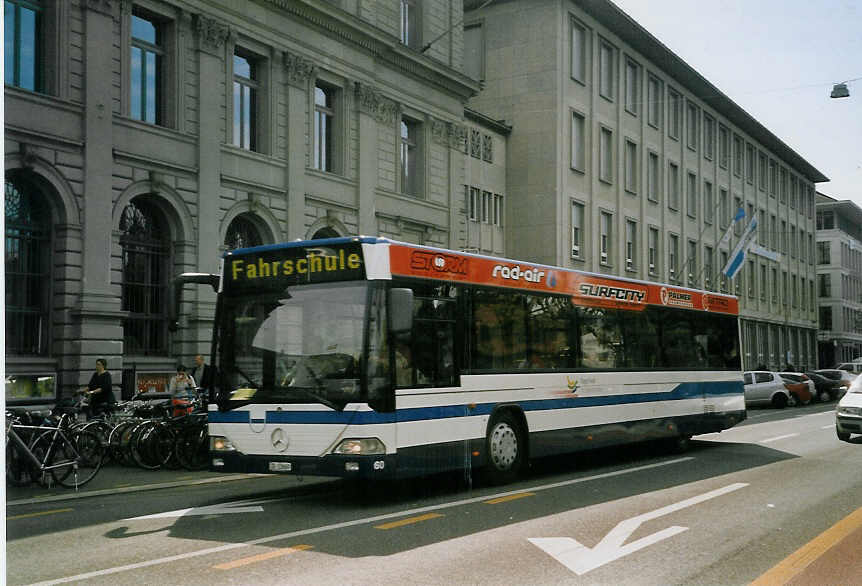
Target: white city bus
pixel 364 357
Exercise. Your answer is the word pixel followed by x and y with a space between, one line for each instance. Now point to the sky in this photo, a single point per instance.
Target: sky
pixel 778 60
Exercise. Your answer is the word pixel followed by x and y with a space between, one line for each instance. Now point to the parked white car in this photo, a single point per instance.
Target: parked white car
pixel 848 415
pixel 763 387
pixel 851 367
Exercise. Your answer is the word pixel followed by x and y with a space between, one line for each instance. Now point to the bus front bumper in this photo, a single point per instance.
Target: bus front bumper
pixel 343 466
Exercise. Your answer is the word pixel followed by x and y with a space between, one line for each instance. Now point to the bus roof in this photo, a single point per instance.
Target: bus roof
pixel 427 262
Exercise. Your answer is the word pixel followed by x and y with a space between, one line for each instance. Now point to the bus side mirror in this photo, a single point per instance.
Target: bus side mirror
pixel 401 310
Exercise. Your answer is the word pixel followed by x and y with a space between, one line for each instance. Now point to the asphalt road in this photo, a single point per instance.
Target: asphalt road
pixel 736 507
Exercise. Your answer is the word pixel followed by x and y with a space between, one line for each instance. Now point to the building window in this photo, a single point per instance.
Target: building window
pixel 579 52
pixel 605 220
pixel 691 125
pixel 691 195
pixel 473 204
pixel 722 279
pixel 246 88
pixel 749 163
pixel 784 236
pixel 825 320
pixel 324 127
pixel 577 230
pixel 762 282
pixel 824 256
pixel 486 207
pixel 652 244
pixel 27 267
pixel 652 177
pixel 606 156
pixel 737 155
pixel 22 21
pixel 773 232
pixel 474 51
pixel 498 210
pixel 607 75
pixel 763 172
pixel 824 285
pixel 242 233
pixel 631 167
pixel 410 163
pixel 784 287
pixel 631 245
pixel 707 266
pixel 146 70
pixel 708 136
pixel 145 248
pixel 410 24
pixel 825 220
pixel 673 186
pixel 751 279
pixel 578 142
pixel 672 256
pixel 708 206
pixel 762 233
pixel 674 106
pixel 692 263
pixel 773 178
pixel 774 285
pixel 723 207
pixel 794 191
pixel 654 102
pixel 632 87
pixel 723 146
pixel 782 185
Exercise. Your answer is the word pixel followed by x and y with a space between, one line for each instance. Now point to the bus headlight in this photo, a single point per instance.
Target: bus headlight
pixel 220 443
pixel 360 447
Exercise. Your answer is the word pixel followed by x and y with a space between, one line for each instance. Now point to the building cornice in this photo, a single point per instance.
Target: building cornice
pixel 383 46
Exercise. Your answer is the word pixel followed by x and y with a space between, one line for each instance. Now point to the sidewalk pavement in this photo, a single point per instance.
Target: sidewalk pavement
pixel 116 479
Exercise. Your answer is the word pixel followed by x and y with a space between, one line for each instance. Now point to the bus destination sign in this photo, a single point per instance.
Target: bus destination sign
pixel 273 269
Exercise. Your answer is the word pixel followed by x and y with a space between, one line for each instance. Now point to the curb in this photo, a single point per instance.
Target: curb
pixel 140 488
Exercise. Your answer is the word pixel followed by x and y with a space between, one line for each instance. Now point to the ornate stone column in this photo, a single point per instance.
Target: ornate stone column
pixel 298 72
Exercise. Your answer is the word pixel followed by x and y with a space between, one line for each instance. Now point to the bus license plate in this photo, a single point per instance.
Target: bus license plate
pixel 280 466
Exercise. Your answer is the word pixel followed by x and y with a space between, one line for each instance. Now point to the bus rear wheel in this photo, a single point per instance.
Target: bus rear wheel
pixel 505 446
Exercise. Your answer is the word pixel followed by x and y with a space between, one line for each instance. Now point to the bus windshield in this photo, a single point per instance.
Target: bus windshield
pixel 302 345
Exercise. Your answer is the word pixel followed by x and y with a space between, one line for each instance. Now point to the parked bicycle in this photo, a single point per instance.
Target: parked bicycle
pixel 54 454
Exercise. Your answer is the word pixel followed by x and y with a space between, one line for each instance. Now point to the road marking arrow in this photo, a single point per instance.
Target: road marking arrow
pixel 581 559
pixel 246 506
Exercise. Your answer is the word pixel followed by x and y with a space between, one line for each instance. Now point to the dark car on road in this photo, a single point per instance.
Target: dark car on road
pixel 827 389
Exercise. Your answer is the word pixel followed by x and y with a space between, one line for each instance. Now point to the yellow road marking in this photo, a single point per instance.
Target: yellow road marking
pixel 511 497
pixel 39 514
pixel 796 562
pixel 261 557
pixel 408 521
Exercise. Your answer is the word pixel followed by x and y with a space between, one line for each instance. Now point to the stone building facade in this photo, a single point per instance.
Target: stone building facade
pixel 145 137
pixel 839 280
pixel 624 160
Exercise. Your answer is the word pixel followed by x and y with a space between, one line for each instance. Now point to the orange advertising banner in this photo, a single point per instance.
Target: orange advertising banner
pixel 584 288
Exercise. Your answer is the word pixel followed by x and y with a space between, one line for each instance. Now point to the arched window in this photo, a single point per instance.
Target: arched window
pixel 325 232
pixel 28 246
pixel 145 244
pixel 242 233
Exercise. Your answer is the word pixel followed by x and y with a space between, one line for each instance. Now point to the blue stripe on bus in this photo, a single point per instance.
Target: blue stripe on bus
pixel 682 391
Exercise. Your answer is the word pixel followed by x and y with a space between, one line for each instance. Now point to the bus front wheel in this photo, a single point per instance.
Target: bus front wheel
pixel 505 448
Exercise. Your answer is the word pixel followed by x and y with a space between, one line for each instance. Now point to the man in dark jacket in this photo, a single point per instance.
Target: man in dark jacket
pixel 203 374
pixel 99 390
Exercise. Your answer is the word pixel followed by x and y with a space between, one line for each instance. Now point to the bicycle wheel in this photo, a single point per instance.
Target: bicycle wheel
pixel 192 447
pixel 118 441
pixel 85 450
pixel 150 445
pixel 50 449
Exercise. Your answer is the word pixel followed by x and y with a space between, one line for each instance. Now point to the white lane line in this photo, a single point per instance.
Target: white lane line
pixel 778 437
pixel 345 524
pixel 828 426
